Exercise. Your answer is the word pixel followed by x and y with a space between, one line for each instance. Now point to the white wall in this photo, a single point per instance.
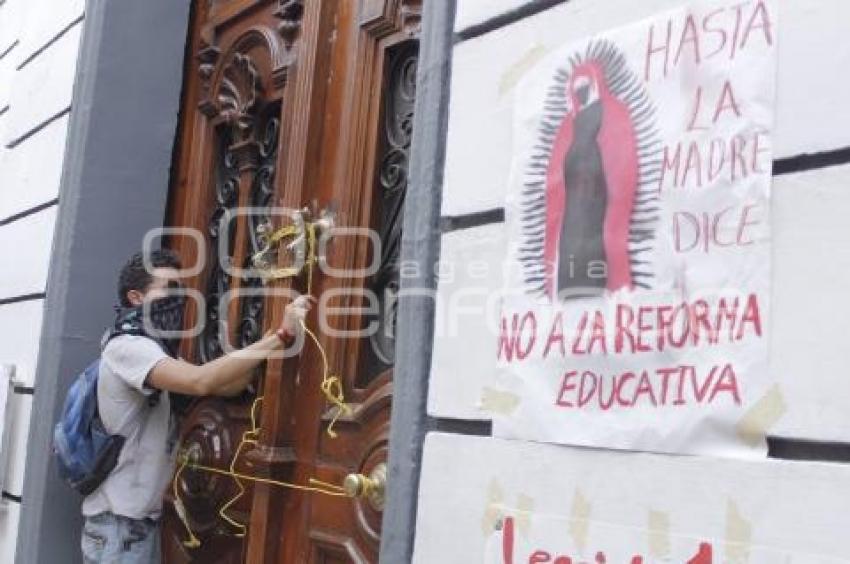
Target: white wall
pixel 574 501
pixel 811 270
pixel 36 81
pixel 475 12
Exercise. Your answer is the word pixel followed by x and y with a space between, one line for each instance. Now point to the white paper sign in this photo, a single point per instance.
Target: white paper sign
pixel 548 539
pixel 637 302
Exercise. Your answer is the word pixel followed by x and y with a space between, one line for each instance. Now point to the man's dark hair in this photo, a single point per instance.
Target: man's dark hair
pixel 134 275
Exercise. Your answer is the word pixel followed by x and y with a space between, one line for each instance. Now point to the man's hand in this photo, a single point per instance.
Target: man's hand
pixel 295 314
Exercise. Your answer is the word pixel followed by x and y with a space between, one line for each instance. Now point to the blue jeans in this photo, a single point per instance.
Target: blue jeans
pixel 113 539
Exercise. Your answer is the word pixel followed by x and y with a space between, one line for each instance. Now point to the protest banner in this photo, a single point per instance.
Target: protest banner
pixel 636 308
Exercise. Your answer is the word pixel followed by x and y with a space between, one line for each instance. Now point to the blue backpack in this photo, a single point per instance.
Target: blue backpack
pixel 85 452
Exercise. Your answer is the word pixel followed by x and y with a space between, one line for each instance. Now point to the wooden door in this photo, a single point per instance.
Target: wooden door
pixel 292 103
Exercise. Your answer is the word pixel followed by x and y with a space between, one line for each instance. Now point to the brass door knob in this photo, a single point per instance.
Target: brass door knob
pixel 371 487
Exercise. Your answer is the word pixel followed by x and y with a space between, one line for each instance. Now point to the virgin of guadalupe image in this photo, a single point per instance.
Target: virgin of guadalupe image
pixel 589 197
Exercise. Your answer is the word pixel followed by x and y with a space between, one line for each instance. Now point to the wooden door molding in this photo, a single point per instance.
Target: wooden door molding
pixel 290 13
pixel 382 18
pixel 334 548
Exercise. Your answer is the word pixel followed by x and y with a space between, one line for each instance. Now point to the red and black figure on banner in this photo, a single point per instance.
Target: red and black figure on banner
pixel 589 205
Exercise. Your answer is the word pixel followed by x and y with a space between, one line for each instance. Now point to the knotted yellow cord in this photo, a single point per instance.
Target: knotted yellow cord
pixel 311 255
pixel 193 541
pixel 331 387
pixel 248 437
pixel 285 272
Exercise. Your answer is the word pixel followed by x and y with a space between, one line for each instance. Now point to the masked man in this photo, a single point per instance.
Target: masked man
pixel 138 370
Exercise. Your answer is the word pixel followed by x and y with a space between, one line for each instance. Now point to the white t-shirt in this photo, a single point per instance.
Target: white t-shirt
pixel 134 488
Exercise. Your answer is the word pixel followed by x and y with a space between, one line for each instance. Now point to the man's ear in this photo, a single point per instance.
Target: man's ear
pixel 135 297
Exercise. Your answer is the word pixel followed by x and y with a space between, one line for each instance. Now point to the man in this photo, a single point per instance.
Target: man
pixel 137 372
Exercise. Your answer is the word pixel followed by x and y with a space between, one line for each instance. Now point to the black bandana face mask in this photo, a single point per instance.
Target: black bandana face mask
pixel 164 320
pixel 166 314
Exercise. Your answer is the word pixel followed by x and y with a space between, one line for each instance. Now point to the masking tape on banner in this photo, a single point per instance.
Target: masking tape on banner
pixel 739 534
pixel 493 511
pixel 523 512
pixel 580 520
pixel 498 402
pixel 659 534
pixel 496 509
pixel 763 415
pixel 512 76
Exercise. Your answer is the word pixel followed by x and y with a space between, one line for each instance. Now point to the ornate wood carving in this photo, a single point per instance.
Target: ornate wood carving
pixel 410 17
pixel 216 70
pixel 208 57
pixel 382 17
pixel 291 13
pixel 248 136
pixel 262 189
pixel 210 434
pixel 237 95
pixel 209 437
pixel 218 282
pixel 397 131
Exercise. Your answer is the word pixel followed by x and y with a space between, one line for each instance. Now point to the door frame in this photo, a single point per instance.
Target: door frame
pixel 409 422
pixel 125 196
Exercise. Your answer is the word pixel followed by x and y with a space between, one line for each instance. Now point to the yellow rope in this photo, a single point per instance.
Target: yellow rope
pixel 193 541
pixel 273 273
pixel 328 486
pixel 331 387
pixel 317 486
pixel 324 488
pixel 300 487
pixel 281 233
pixel 248 437
pixel 311 255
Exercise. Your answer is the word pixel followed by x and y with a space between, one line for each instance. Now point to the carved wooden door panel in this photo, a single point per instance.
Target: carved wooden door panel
pixel 292 103
pixel 228 157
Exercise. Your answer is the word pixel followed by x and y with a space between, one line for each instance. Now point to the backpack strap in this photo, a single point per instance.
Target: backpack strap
pixel 128 321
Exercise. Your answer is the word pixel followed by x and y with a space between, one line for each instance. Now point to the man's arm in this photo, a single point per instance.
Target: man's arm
pixel 222 375
pixel 229 374
pixel 235 388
